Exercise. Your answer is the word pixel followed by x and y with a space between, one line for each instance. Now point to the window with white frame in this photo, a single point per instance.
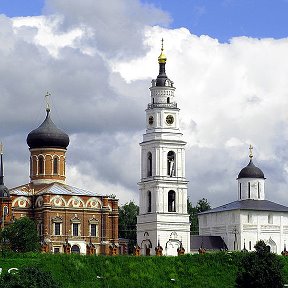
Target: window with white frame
pixel 149 201
pixel 93 224
pixel 171 201
pixel 57 229
pixel 75 227
pixel 57 225
pixel 93 230
pixel 149 164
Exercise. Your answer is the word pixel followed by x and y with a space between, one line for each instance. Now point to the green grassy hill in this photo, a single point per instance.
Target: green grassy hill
pixel 209 270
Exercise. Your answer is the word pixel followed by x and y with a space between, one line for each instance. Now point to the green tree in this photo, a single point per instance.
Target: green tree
pixel 127 223
pixel 28 277
pixel 21 235
pixel 192 211
pixel 260 269
pixel 201 206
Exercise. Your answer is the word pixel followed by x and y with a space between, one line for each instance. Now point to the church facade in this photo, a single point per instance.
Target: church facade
pixel 68 219
pixel 163 222
pixel 249 219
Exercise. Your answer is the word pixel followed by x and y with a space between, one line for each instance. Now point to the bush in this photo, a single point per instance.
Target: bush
pixel 28 277
pixel 260 269
pixel 21 236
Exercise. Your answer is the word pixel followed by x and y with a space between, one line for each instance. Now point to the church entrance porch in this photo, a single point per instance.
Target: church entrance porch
pixel 146 246
pixel 75 249
pixel 272 245
pixel 172 246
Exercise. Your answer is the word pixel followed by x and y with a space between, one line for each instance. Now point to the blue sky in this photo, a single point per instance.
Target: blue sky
pixel 221 19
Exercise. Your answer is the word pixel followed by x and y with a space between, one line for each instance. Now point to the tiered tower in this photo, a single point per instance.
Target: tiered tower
pixel 163 214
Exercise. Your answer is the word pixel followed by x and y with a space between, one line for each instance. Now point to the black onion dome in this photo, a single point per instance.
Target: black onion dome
pixel 251 171
pixel 47 135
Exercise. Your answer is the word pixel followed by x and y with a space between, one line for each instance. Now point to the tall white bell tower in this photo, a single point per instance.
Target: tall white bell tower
pixel 163 219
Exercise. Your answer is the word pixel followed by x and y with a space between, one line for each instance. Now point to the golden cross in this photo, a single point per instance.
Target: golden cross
pixel 47 101
pixel 162 45
pixel 251 154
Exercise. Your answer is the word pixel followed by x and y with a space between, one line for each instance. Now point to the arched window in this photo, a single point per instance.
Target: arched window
pixel 168 100
pixel 171 201
pixel 55 166
pixel 149 198
pixel 171 163
pixel 249 190
pixel 41 165
pixel 259 190
pixel 149 164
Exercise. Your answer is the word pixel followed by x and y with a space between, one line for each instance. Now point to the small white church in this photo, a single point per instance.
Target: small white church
pixel 249 219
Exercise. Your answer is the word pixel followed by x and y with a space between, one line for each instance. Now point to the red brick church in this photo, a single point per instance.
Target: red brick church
pixel 69 219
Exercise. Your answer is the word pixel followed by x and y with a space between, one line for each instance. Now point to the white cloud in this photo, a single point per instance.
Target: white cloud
pixel 99 71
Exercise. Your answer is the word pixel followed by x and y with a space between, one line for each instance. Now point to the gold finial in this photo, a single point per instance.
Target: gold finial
pixel 1 148
pixel 47 101
pixel 251 149
pixel 162 58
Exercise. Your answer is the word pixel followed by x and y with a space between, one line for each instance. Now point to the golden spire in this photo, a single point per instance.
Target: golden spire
pixel 1 148
pixel 251 154
pixel 162 58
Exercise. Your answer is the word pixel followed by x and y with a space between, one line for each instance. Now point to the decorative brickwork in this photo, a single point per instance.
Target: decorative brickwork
pixel 68 219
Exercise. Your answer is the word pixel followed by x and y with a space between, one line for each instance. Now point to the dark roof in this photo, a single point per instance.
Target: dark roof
pixel 4 191
pixel 207 242
pixel 47 135
pixel 251 171
pixel 249 204
pixel 162 77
